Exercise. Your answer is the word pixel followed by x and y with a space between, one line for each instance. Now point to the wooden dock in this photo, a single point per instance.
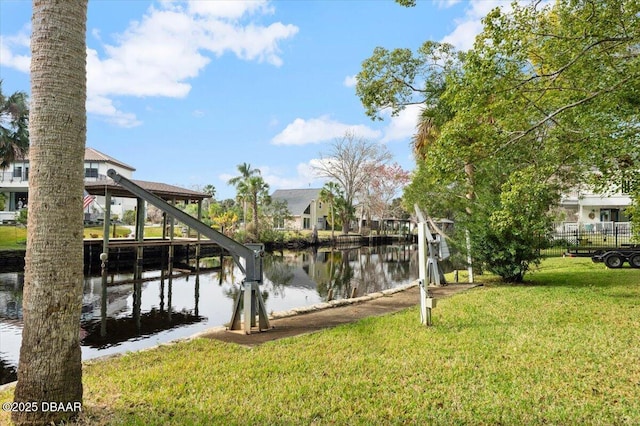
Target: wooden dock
pixel 150 251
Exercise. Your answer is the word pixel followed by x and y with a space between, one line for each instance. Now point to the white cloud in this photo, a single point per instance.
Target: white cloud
pixel 464 35
pixel 105 108
pixel 171 44
pixel 444 4
pixel 229 9
pixel 350 81
pixel 467 28
pixel 14 50
pixel 403 125
pixel 315 130
pixel 304 177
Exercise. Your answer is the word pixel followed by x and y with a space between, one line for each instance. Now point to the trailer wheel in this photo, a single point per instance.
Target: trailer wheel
pixel 634 261
pixel 614 260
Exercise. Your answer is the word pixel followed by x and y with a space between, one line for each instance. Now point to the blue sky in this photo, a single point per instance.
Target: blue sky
pixel 184 91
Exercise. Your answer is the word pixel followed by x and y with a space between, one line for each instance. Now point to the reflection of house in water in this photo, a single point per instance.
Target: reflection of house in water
pixel 11 296
pixel 340 273
pixel 114 320
pixel 306 268
pixel 117 297
pixel 11 285
pixel 109 329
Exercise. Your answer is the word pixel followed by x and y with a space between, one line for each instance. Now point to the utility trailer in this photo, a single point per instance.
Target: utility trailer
pixel 615 258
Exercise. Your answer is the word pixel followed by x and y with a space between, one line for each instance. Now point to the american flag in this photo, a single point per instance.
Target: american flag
pixel 87 200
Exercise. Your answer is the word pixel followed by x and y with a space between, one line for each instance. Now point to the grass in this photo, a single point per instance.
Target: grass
pixel 98 232
pixel 13 237
pixel 560 349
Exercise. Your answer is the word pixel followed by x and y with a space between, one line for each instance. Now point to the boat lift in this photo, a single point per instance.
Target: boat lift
pixel 251 254
pixel 431 249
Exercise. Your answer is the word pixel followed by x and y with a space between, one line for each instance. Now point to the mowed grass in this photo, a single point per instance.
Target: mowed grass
pixel 563 348
pixel 13 237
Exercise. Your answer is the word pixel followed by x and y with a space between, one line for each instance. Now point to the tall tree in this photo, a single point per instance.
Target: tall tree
pixel 241 184
pixel 548 94
pixel 331 193
pixel 349 163
pixel 50 366
pixel 387 183
pixel 258 193
pixel 14 127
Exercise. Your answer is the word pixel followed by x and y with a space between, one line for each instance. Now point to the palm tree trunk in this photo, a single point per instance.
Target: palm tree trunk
pixel 50 359
pixel 333 222
pixel 255 217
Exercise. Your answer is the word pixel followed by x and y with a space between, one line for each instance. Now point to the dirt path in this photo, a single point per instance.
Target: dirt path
pixel 319 319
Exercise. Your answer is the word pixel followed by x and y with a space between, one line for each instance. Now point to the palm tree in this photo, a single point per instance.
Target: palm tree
pixel 246 172
pixel 50 367
pixel 426 135
pixel 256 191
pixel 330 194
pixel 14 127
pixel 250 188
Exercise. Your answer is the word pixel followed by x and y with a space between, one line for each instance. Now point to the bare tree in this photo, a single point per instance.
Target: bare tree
pixel 385 185
pixel 349 163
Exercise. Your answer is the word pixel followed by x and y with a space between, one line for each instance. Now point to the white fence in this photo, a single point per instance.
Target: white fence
pixel 8 217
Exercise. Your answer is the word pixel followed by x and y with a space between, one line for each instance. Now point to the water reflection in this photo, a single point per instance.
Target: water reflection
pixel 128 311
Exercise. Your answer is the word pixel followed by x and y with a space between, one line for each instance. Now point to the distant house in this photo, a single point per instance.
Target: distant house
pixel 305 208
pixel 14 185
pixel 586 209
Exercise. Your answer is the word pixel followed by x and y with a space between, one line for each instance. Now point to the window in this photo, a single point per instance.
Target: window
pixel 17 171
pixel 306 223
pixel 90 172
pixel 627 186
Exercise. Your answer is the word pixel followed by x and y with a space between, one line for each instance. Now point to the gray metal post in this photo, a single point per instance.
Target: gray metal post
pixel 251 254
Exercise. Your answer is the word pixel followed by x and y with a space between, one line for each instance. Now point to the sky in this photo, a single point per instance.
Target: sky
pixel 185 91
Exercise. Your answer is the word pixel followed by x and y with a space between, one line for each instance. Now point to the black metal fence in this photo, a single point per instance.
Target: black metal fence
pixel 587 240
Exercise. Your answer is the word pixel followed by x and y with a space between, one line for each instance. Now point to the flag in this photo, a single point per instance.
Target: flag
pixel 87 200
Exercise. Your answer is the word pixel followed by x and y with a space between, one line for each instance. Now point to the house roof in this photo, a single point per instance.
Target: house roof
pixel 297 199
pixel 91 154
pixel 162 190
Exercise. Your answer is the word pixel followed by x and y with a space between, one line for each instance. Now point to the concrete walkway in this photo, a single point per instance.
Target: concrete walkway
pixel 316 318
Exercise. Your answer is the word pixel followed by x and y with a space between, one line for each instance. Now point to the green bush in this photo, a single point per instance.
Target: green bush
pixel 22 217
pixel 129 217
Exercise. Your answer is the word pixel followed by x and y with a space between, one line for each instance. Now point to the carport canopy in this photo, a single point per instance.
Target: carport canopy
pixel 162 190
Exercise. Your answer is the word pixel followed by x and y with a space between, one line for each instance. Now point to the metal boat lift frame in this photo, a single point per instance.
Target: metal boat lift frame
pixel 251 254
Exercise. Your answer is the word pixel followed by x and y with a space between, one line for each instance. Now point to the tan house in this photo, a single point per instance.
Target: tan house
pixel 305 208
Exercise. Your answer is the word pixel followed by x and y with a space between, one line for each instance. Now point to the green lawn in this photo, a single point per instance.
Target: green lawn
pixel 560 349
pixel 13 237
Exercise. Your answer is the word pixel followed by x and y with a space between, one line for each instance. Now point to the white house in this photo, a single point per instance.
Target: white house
pixel 305 208
pixel 14 183
pixel 585 209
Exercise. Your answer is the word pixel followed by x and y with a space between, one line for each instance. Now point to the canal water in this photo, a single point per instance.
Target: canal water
pixel 162 307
